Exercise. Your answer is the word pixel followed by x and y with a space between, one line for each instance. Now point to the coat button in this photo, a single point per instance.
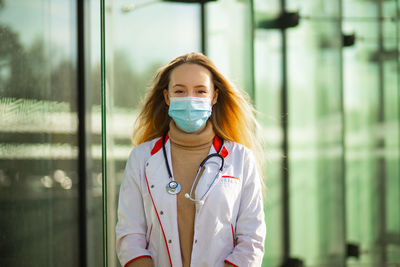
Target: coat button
pixel 195 241
pixel 170 241
pixel 152 186
pixel 147 164
pixel 161 212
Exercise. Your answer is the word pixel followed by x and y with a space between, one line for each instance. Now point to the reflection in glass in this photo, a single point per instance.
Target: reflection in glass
pixel 229 40
pixel 372 136
pixel 267 103
pixel 315 139
pixel 38 134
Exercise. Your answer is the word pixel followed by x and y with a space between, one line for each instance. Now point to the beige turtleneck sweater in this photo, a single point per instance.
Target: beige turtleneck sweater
pixel 187 151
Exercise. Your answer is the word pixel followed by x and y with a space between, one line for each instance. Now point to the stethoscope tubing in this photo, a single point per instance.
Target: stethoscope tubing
pixel 165 157
pixel 201 200
pixel 189 196
pixel 214 155
pixel 201 164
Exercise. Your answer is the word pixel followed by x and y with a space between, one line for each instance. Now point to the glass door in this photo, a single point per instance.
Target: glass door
pixel 140 36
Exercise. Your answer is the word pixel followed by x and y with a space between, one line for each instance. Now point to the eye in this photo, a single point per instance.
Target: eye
pixel 202 91
pixel 178 91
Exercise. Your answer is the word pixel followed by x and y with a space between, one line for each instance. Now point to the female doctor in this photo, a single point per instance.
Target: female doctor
pixel 191 192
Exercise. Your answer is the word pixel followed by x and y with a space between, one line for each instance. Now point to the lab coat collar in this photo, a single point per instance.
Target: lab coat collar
pixel 217 142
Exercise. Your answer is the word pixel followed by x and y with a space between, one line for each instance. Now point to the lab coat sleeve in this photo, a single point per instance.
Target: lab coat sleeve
pixel 131 226
pixel 250 225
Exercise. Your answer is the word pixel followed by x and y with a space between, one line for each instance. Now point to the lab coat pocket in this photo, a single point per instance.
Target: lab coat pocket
pixel 226 192
pixel 228 176
pixel 229 179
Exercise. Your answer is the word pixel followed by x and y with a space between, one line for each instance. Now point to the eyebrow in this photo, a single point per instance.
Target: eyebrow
pixel 182 85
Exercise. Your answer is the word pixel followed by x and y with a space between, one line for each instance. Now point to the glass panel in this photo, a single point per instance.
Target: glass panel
pixel 38 134
pixel 133 54
pixel 391 136
pixel 372 131
pixel 267 99
pixel 94 209
pixel 315 135
pixel 229 40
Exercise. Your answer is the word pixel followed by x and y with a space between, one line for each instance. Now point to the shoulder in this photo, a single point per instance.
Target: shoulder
pixel 244 162
pixel 240 155
pixel 145 150
pixel 237 150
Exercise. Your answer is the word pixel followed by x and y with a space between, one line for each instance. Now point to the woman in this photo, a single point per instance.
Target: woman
pixel 174 212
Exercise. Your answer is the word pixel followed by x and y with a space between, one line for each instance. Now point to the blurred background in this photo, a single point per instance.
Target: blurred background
pixel 323 76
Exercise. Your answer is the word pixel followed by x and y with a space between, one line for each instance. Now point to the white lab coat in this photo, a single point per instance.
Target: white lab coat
pixel 229 225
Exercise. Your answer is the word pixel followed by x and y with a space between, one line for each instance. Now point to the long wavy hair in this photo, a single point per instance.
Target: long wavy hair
pixel 232 117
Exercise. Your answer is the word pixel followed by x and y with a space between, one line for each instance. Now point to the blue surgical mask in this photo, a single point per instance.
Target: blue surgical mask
pixel 190 113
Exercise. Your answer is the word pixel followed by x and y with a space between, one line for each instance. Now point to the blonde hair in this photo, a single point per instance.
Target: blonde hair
pixel 232 116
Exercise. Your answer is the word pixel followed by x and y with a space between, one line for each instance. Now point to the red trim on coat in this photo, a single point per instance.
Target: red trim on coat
pixel 148 240
pixel 231 177
pixel 233 236
pixel 226 261
pixel 158 145
pixel 217 144
pixel 143 256
pixel 162 229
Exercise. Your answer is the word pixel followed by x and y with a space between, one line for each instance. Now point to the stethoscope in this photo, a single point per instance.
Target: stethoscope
pixel 173 187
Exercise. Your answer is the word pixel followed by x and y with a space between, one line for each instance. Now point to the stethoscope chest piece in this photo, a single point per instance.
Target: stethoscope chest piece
pixel 173 187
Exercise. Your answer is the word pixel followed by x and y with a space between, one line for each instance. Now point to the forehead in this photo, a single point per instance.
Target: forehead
pixel 190 74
